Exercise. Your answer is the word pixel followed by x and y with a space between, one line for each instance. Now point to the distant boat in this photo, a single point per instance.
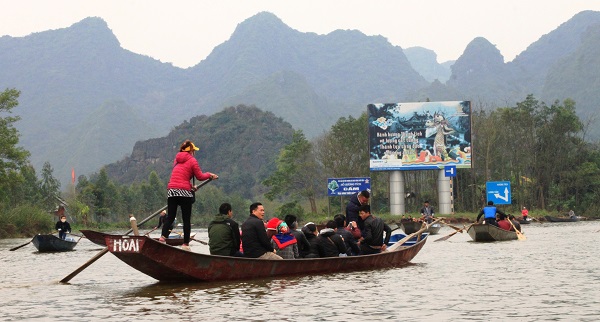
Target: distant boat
pixel 166 263
pixel 409 227
pixel 51 243
pixel 487 233
pixel 562 219
pixel 97 238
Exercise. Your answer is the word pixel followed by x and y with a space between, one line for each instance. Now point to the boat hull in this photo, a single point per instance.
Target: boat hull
pixel 489 233
pixel 97 238
pixel 51 243
pixel 410 227
pixel 560 219
pixel 166 263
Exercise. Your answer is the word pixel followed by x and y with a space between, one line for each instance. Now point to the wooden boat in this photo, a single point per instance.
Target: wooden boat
pixel 486 233
pixel 409 226
pixel 434 229
pixel 167 263
pixel 97 238
pixel 524 222
pixel 562 219
pixel 51 243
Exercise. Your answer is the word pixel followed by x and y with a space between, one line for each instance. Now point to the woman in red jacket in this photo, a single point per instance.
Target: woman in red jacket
pixel 180 191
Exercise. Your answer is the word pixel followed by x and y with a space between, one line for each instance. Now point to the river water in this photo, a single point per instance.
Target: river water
pixel 551 276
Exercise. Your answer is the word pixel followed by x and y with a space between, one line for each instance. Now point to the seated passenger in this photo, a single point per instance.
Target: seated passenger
pixel 372 241
pixel 310 231
pixel 349 240
pixel 302 242
pixel 284 242
pixel 330 244
pixel 502 222
pixel 515 222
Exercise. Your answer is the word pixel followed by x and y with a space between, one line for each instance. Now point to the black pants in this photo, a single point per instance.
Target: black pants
pixel 491 221
pixel 186 214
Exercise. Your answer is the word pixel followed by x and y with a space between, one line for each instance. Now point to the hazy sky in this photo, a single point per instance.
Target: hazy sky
pixel 184 32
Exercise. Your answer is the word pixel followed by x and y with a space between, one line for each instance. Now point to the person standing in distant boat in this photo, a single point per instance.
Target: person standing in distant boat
pixel 180 192
pixel 63 227
pixel 524 213
pixel 427 212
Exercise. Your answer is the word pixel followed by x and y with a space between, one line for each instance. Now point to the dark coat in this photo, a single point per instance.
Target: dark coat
pixel 64 227
pixel 254 238
pixel 373 232
pixel 352 208
pixel 349 240
pixel 313 251
pixel 224 236
pixel 330 244
pixel 303 244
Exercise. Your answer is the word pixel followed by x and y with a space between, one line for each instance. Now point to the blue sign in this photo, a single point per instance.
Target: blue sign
pixel 450 171
pixel 498 192
pixel 347 186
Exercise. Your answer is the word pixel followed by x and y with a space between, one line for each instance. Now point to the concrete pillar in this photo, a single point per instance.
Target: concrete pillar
pixel 397 194
pixel 445 202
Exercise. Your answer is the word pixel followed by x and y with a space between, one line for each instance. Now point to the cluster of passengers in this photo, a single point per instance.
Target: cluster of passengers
pixel 283 239
pixel 493 216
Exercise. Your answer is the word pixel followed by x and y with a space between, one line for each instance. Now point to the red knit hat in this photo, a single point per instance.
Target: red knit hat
pixel 273 223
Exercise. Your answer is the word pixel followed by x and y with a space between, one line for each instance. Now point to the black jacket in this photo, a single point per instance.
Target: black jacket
pixel 330 244
pixel 349 240
pixel 352 211
pixel 373 232
pixel 64 226
pixel 303 244
pixel 313 251
pixel 254 238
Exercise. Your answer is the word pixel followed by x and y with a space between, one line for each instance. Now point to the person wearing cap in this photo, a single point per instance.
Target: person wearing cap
pixel 180 192
pixel 284 243
pixel 224 233
pixel 372 241
pixel 255 242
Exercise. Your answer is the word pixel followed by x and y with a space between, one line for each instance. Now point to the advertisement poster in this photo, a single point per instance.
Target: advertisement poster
pixel 419 136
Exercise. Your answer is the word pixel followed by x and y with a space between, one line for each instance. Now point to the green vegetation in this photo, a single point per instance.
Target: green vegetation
pixel 260 157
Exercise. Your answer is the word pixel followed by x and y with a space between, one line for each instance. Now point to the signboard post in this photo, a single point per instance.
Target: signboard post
pixel 498 192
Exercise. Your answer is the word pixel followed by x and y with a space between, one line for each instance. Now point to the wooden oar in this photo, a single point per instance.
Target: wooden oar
pixel 452 226
pixel 460 230
pixel 191 238
pixel 520 236
pixel 407 238
pixel 20 246
pixel 105 250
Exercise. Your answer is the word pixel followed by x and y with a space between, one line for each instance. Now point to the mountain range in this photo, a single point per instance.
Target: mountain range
pixel 85 101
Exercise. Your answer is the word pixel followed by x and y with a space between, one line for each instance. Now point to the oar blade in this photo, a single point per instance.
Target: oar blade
pixel 20 246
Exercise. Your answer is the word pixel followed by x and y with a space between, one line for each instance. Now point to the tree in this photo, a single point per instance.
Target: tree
pixel 50 187
pixel 12 157
pixel 297 172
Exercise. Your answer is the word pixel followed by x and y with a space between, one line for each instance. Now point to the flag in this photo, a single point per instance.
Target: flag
pixel 73 175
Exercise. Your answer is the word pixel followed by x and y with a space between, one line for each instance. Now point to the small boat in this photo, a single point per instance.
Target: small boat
pixel 397 237
pixel 51 243
pixel 167 263
pixel 409 226
pixel 434 229
pixel 97 238
pixel 487 233
pixel 562 219
pixel 524 222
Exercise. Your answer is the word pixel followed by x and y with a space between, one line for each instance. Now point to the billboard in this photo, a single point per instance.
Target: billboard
pixel 419 136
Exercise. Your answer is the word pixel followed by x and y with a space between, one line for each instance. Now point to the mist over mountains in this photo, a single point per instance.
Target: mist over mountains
pixel 85 101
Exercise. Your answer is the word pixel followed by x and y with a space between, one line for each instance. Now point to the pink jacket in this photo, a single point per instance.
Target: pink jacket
pixel 185 167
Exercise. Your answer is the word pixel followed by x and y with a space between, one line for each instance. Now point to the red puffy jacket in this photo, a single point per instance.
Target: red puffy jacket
pixel 185 167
